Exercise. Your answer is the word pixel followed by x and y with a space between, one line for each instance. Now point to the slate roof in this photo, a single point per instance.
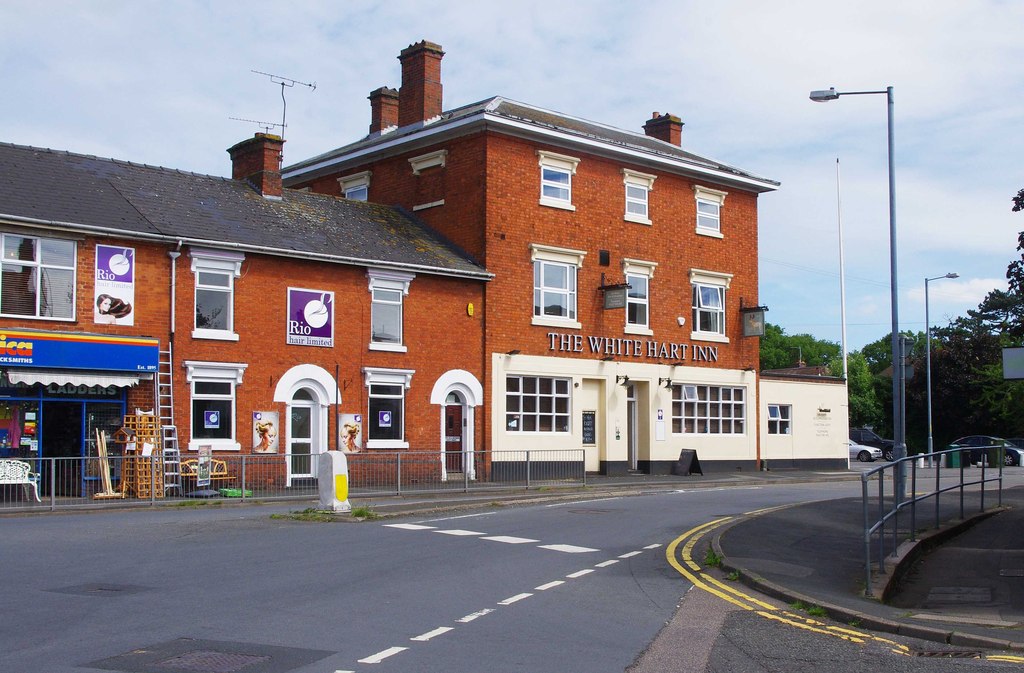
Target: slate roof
pixel 92 194
pixel 541 119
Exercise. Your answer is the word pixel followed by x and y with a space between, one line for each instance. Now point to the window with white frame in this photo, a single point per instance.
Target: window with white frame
pixel 388 290
pixel 708 410
pixel 709 293
pixel 212 386
pixel 215 272
pixel 537 404
pixel 638 275
pixel 385 427
pixel 37 277
pixel 779 416
pixel 356 186
pixel 556 171
pixel 554 285
pixel 709 210
pixel 638 187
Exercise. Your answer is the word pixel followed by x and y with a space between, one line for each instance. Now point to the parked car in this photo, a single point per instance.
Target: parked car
pixel 980 445
pixel 867 437
pixel 864 453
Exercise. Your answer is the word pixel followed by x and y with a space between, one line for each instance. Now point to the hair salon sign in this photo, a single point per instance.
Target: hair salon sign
pixel 310 317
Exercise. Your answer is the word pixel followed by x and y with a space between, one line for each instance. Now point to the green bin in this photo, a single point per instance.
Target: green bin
pixel 953 459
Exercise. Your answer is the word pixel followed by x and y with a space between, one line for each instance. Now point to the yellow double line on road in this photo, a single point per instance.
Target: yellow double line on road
pixel 680 555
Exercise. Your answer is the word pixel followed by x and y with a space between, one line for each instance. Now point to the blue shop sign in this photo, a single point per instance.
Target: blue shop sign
pixel 69 350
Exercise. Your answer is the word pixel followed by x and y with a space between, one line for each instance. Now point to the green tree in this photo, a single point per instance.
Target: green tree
pixel 781 351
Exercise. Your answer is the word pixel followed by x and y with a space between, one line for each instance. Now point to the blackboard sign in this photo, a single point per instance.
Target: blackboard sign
pixel 589 427
pixel 615 297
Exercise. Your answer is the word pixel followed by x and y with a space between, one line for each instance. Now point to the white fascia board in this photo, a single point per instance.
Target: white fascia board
pixel 559 137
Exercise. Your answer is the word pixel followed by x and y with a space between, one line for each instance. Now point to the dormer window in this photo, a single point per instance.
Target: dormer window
pixel 356 187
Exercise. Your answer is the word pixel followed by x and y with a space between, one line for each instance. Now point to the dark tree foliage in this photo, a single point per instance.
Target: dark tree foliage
pixel 1015 272
pixel 781 351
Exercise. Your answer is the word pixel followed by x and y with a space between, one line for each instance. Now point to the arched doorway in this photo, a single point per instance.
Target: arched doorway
pixel 458 393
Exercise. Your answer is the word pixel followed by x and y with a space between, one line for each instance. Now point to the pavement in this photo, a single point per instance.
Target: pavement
pixel 961 583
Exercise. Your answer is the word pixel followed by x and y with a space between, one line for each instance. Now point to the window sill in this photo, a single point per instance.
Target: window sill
pixel 215 334
pixel 386 444
pixel 547 321
pixel 709 336
pixel 638 329
pixel 36 317
pixel 639 219
pixel 214 444
pixel 391 348
pixel 557 203
pixel 710 233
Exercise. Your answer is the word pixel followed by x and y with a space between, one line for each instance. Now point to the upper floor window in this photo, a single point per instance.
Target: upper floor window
pixel 779 418
pixel 638 275
pixel 554 285
pixel 638 186
pixel 709 210
pixel 37 277
pixel 356 186
pixel 556 171
pixel 387 295
pixel 709 304
pixel 215 273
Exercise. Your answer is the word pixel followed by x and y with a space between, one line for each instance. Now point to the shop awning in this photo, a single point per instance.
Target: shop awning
pixel 65 377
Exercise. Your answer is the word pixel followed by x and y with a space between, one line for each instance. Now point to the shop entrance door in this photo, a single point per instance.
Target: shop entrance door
pixel 303 435
pixel 60 437
pixel 453 445
pixel 631 437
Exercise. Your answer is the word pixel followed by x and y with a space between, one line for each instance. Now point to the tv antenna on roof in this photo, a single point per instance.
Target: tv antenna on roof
pixel 266 125
pixel 284 82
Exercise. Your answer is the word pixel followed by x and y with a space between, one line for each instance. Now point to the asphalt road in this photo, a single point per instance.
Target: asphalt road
pixel 582 586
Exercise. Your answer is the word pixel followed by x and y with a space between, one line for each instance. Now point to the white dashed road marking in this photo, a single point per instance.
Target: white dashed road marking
pixel 605 564
pixel 509 539
pixel 458 531
pixel 549 585
pixel 514 599
pixel 630 554
pixel 408 526
pixel 475 615
pixel 382 655
pixel 580 573
pixel 431 634
pixel 568 548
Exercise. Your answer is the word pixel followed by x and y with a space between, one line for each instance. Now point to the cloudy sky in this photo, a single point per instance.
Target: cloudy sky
pixel 159 83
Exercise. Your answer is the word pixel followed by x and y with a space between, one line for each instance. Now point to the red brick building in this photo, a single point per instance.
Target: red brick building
pixel 250 318
pixel 625 269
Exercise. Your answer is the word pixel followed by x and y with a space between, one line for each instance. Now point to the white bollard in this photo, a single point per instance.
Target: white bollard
pixel 332 481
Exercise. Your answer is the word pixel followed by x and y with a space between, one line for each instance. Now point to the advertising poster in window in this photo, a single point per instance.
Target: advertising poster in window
pixel 351 429
pixel 310 318
pixel 264 431
pixel 114 288
pixel 203 465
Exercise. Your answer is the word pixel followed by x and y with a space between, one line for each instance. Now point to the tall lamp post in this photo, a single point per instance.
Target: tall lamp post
pixel 928 358
pixel 898 402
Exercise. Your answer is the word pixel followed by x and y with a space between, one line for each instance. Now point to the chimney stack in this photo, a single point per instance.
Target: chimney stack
pixel 419 99
pixel 383 109
pixel 665 127
pixel 258 162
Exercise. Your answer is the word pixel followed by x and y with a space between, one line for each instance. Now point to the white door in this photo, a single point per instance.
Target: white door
pixel 303 435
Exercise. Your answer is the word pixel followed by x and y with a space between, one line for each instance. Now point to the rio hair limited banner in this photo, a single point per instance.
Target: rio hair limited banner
pixel 115 286
pixel 310 318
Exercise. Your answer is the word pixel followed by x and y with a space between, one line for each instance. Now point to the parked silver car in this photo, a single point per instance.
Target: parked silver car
pixel 864 453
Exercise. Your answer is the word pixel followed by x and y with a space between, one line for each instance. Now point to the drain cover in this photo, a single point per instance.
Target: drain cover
pixel 207 661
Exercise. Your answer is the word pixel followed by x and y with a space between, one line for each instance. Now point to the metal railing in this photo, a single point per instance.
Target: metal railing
pixel 133 481
pixel 884 531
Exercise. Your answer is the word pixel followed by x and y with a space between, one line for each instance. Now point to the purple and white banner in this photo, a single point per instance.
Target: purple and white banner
pixel 310 317
pixel 114 288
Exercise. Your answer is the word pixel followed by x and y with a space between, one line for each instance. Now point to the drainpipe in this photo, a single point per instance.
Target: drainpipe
pixel 174 254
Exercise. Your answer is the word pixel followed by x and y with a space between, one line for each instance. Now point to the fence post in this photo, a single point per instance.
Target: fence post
pixel 867 535
pixel 398 471
pixel 53 484
pixel 152 477
pixel 913 501
pixel 527 469
pixel 243 478
pixel 466 456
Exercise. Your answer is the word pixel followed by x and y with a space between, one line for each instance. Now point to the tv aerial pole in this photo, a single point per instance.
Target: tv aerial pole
pixel 284 82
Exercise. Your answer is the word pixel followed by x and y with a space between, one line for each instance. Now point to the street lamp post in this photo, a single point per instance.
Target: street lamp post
pixel 898 402
pixel 928 359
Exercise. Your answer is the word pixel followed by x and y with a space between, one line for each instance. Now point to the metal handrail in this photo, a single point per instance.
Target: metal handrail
pixel 899 502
